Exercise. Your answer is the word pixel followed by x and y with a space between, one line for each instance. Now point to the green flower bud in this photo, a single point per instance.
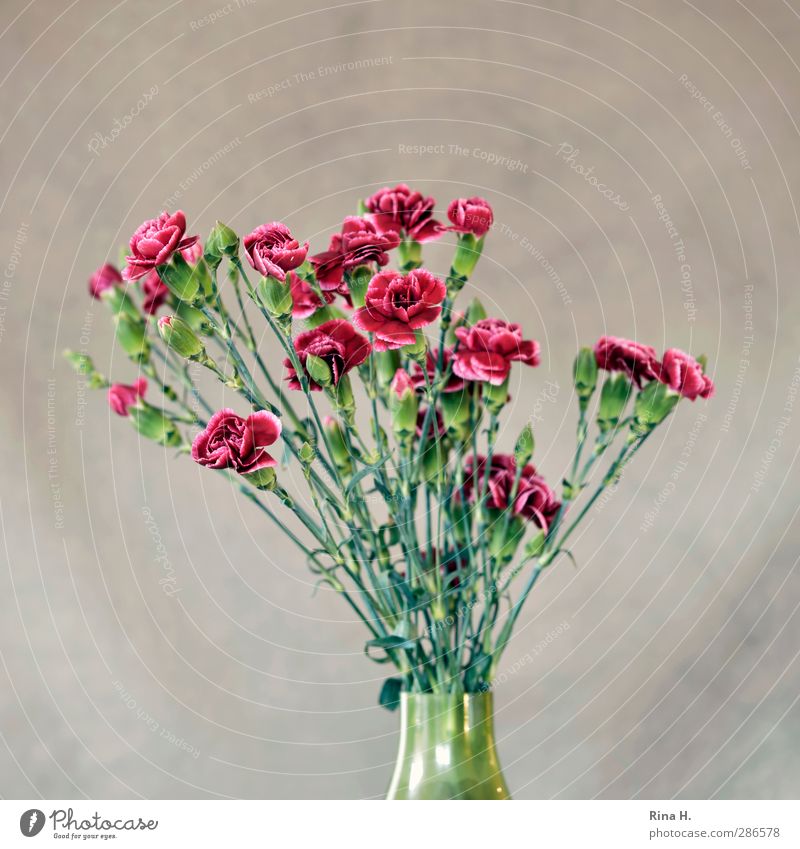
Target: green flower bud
pixel 653 404
pixel 403 405
pixel 275 296
pixel 319 370
pixel 613 400
pixel 263 479
pixel 434 459
pixel 504 541
pixel 154 424
pixel 467 255
pixel 357 283
pixel 585 375
pixel 84 366
pixel 338 446
pixel 455 413
pixel 177 334
pixel 475 312
pixel 534 547
pixel 495 397
pixel 410 253
pixel 322 315
pixel 306 454
pixel 179 278
pixel 343 399
pixel 194 318
pixel 523 450
pixel 222 241
pixel 386 365
pixel 119 303
pixel 132 337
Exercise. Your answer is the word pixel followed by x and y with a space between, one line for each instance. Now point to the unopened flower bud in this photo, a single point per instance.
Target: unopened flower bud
pixel 475 312
pixel 523 450
pixel 84 366
pixel 119 303
pixel 386 365
pixel 504 541
pixel 132 337
pixel 222 241
pixel 177 334
pixel 403 404
pixel 194 318
pixel 585 375
pixel 154 424
pixel 318 370
pixel 343 398
pixel 338 446
pixel 357 284
pixel 455 413
pixel 613 400
pixel 534 547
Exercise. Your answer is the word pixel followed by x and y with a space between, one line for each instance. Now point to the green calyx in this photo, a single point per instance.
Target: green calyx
pixel 357 283
pixel 653 404
pixel 495 397
pixel 263 479
pixel 318 370
pixel 467 255
pixel 585 375
pixel 523 449
pixel 154 424
pixel 276 297
pixel 614 397
pixel 221 242
pixel 410 254
pixel 179 336
pixel 132 336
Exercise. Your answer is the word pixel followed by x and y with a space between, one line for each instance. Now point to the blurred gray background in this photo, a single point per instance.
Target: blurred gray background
pixel 673 671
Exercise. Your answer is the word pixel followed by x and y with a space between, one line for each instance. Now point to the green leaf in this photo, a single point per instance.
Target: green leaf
pixel 390 693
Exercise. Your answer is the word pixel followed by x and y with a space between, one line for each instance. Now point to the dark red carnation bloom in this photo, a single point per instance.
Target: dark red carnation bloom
pixel 104 278
pixel 489 347
pixel 470 215
pixel 398 304
pixel 155 242
pixel 405 212
pixel 231 442
pixel 336 342
pixel 122 397
pixel 359 243
pixel 535 500
pixel 639 362
pixel 154 291
pixel 305 301
pixel 681 372
pixel 453 383
pixel 273 250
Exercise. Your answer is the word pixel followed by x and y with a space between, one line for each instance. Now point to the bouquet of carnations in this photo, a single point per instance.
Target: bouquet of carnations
pixel 432 532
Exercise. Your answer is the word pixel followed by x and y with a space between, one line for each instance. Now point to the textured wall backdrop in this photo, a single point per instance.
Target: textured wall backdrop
pixel 642 160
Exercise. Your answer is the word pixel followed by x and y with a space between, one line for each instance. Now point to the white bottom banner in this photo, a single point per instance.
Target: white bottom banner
pixel 618 824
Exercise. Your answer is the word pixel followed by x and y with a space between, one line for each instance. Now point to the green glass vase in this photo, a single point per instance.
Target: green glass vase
pixel 447 748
